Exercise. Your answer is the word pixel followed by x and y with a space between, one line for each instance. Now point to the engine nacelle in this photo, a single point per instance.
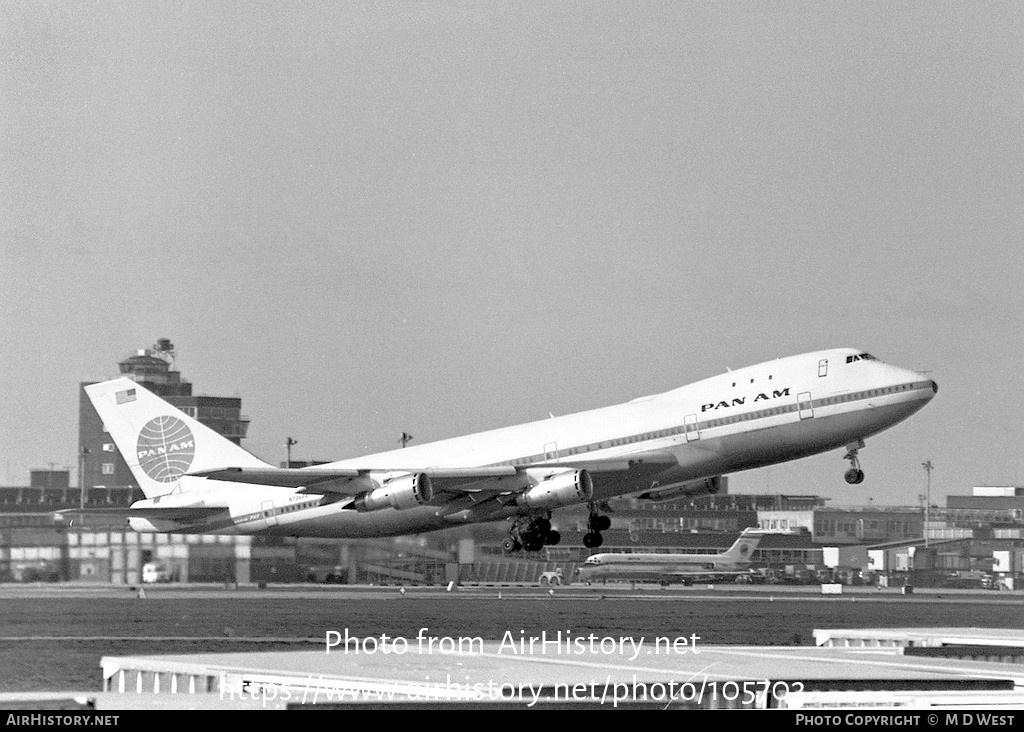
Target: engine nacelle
pixel 561 489
pixel 400 492
pixel 702 487
pixel 147 526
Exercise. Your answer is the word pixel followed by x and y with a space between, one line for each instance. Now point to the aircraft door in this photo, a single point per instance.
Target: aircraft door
pixel 690 428
pixel 551 451
pixel 804 403
pixel 269 517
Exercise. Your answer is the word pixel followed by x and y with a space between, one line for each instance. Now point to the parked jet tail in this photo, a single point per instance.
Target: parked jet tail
pixel 743 548
pixel 161 443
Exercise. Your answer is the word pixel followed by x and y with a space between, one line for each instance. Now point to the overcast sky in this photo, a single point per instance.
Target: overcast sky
pixel 443 217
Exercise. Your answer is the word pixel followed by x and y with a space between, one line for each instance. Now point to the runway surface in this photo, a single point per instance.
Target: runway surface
pixel 52 637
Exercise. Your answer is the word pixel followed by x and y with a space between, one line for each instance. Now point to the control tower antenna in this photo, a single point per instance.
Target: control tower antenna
pixel 164 349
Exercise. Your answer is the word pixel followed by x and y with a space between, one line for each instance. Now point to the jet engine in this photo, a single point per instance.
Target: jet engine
pixel 560 489
pixel 399 492
pixel 702 487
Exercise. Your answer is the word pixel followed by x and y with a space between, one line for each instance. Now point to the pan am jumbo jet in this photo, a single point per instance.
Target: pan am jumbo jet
pixel 673 444
pixel 665 568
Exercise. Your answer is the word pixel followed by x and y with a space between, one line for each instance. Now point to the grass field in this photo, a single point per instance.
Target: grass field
pixel 54 642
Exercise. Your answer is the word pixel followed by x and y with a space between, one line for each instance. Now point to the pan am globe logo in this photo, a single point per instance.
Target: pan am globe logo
pixel 744 549
pixel 166 448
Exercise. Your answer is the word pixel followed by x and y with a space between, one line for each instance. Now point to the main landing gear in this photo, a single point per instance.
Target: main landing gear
pixel 596 524
pixel 531 535
pixel 854 475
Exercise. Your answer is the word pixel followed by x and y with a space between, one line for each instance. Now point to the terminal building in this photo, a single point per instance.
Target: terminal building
pixel 46 490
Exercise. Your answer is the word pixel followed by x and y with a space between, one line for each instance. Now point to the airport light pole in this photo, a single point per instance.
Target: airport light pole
pixel 406 438
pixel 927 465
pixel 81 476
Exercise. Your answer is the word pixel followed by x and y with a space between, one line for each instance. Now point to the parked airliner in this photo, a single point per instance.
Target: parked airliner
pixel 666 568
pixel 672 444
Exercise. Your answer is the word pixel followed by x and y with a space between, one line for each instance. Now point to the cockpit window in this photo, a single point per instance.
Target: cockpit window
pixel 860 357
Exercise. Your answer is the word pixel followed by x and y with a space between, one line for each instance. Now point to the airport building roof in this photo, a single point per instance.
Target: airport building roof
pixel 440 670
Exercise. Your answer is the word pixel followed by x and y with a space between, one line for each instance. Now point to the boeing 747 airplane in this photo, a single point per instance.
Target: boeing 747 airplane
pixel 666 568
pixel 677 443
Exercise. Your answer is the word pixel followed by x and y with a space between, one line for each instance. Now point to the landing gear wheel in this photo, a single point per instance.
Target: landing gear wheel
pixel 552 538
pixel 533 543
pixel 593 540
pixel 510 546
pixel 599 523
pixel 854 476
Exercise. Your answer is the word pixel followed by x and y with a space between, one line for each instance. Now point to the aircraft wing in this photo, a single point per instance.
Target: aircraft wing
pixel 309 477
pixel 171 513
pixel 346 481
pixel 468 480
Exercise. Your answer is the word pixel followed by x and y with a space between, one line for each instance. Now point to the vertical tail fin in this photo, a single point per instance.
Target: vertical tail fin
pixel 743 548
pixel 159 442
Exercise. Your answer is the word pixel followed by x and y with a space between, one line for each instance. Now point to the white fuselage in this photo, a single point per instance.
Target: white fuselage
pixel 755 416
pixel 657 567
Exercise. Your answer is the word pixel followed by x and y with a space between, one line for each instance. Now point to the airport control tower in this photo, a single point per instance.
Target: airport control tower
pixel 102 470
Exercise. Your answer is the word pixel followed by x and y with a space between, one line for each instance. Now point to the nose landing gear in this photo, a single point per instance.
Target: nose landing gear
pixel 854 475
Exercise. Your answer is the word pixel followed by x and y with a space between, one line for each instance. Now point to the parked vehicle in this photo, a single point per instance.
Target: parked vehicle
pixel 327 574
pixel 551 579
pixel 154 572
